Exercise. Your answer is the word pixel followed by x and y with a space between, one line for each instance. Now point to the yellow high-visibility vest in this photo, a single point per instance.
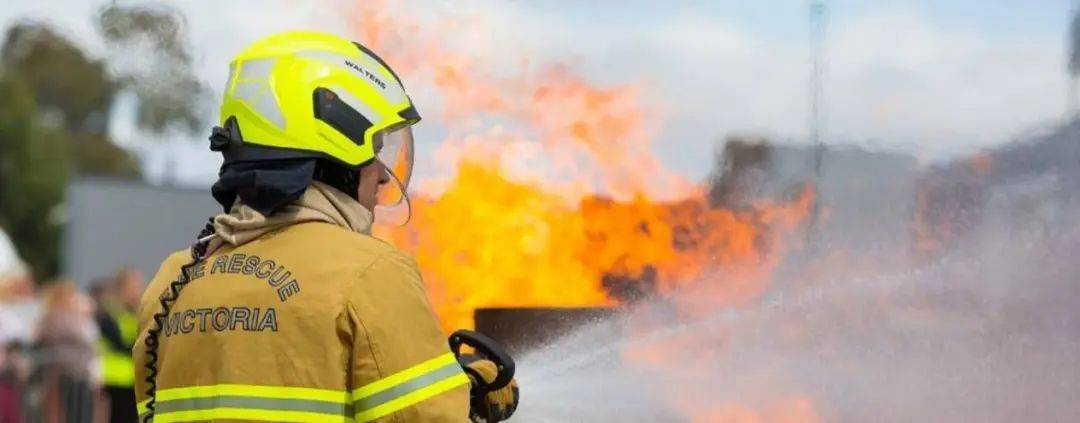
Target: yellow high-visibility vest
pixel 118 370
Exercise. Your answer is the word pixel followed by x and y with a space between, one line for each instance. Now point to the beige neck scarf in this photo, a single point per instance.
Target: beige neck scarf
pixel 319 203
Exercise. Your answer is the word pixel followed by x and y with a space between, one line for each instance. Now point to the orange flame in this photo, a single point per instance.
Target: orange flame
pixel 563 203
pixel 490 242
pixel 490 239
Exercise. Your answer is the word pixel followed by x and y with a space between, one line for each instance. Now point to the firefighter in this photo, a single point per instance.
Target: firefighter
pixel 286 308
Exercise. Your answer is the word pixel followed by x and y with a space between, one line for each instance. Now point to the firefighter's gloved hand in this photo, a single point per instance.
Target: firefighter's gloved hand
pixel 489 404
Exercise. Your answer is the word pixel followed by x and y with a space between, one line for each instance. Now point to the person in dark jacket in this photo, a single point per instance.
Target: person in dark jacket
pixel 116 301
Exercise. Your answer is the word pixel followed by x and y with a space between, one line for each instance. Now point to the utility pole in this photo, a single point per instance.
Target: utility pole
pixel 817 36
pixel 818 20
pixel 1073 66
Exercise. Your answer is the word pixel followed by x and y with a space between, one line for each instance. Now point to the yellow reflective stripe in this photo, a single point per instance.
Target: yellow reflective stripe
pixel 384 396
pixel 257 391
pixel 403 376
pixel 412 398
pixel 256 403
pixel 261 391
pixel 408 387
pixel 246 414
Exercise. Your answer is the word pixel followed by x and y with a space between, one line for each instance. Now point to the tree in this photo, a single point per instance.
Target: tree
pixel 74 91
pixel 163 79
pixel 55 102
pixel 53 121
pixel 34 168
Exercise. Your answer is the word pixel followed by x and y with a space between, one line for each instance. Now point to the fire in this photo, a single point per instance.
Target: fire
pixel 487 241
pixel 555 198
pixel 567 207
pixel 682 241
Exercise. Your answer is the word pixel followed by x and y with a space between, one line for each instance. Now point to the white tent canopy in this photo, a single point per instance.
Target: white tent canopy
pixel 10 263
pixel 18 318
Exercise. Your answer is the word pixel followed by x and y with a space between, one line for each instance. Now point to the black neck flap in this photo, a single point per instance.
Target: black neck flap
pixel 266 178
pixel 264 186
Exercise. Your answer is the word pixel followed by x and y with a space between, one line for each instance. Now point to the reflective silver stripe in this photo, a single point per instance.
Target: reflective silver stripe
pixel 407 387
pixel 253 87
pixel 393 91
pixel 259 403
pixel 232 76
pixel 361 107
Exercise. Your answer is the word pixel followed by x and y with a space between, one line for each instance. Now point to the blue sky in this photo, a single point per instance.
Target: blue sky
pixel 934 78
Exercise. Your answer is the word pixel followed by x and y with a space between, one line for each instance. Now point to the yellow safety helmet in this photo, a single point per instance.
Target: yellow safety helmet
pixel 311 95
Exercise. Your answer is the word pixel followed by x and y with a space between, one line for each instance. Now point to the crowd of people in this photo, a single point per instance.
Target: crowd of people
pixel 65 352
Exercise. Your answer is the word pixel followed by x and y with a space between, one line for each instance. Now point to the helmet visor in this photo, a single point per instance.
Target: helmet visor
pixel 394 149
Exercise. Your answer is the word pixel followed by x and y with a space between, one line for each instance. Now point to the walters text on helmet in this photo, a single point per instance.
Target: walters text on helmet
pixel 370 75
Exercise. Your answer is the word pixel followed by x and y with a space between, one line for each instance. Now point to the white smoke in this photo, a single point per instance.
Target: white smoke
pixel 984 332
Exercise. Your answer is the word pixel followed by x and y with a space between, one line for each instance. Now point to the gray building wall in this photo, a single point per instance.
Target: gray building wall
pixel 113 224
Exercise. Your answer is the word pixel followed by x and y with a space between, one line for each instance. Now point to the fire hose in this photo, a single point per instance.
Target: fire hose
pixel 494 393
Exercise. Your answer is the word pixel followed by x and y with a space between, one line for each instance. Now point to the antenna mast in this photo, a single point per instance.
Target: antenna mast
pixel 1073 65
pixel 817 69
pixel 817 35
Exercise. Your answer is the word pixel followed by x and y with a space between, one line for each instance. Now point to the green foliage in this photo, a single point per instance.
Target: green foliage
pixel 55 102
pixel 96 155
pixel 54 105
pixel 62 79
pixel 72 89
pixel 34 168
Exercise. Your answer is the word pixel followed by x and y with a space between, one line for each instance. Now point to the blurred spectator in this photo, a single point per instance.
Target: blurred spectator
pixel 66 356
pixel 14 375
pixel 131 286
pixel 66 378
pixel 62 352
pixel 18 317
pixel 116 302
pixel 19 309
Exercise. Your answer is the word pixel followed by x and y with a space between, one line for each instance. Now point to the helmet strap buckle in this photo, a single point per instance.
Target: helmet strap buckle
pixel 220 138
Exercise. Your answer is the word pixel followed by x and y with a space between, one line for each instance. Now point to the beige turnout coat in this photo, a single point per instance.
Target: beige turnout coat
pixel 301 316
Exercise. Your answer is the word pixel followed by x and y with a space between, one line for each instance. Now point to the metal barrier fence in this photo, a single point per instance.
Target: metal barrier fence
pixel 59 387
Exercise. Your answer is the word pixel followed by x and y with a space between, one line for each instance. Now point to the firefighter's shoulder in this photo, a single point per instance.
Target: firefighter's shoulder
pixel 380 264
pixel 338 242
pixel 166 273
pixel 379 270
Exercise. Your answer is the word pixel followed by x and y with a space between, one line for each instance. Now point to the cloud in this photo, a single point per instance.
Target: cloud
pixel 894 76
pixel 891 76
